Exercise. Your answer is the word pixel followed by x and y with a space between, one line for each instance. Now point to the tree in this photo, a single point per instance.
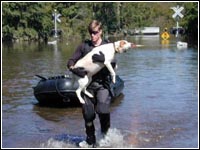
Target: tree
pixel 33 20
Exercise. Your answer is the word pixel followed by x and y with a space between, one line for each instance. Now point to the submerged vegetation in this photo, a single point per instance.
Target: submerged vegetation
pixel 33 20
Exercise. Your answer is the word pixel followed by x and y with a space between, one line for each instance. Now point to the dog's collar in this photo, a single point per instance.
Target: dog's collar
pixel 116 50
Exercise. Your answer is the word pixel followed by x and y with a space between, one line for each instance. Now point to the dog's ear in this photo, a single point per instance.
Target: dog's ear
pixel 121 46
pixel 122 43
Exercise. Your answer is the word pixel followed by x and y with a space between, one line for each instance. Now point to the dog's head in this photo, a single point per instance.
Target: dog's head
pixel 123 45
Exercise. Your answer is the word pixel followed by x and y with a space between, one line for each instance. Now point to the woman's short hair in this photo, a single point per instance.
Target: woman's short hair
pixel 93 24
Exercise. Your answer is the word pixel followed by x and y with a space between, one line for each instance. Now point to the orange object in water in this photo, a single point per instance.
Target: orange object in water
pixel 165 35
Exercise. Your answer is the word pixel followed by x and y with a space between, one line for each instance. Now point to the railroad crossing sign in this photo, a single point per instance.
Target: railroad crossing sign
pixel 56 17
pixel 177 11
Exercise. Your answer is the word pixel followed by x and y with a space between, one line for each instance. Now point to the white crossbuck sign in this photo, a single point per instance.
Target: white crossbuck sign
pixel 57 17
pixel 177 11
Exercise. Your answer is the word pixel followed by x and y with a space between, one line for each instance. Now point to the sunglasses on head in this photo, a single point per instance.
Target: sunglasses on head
pixel 94 32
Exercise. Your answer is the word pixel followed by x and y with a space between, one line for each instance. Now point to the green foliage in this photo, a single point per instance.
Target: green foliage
pixel 33 20
pixel 191 20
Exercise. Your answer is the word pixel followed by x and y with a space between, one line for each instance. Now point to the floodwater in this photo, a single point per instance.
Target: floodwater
pixel 158 107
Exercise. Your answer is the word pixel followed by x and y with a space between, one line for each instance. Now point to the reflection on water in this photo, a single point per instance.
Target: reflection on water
pixel 158 107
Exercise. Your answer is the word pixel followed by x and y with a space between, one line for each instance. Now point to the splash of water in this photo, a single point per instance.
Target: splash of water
pixel 113 139
pixel 52 143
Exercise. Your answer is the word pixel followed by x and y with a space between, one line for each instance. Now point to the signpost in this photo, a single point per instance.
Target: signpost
pixel 177 15
pixel 56 18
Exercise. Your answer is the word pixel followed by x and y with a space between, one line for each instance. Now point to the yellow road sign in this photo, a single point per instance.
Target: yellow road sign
pixel 165 35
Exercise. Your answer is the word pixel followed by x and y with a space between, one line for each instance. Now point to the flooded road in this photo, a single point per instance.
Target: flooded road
pixel 158 107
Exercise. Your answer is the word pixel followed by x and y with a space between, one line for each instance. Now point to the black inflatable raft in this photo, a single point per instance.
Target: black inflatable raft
pixel 60 90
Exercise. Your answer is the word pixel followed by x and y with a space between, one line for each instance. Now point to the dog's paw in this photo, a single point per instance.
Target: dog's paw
pixel 113 80
pixel 82 101
pixel 89 94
